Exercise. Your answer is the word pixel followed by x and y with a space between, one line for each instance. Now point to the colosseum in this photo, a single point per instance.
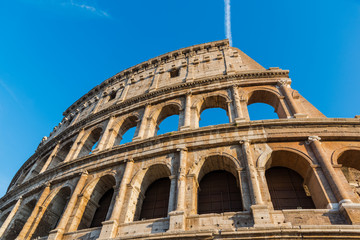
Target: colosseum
pixel 294 177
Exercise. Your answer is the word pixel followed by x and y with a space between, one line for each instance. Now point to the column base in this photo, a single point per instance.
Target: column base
pixel 300 115
pixel 108 230
pixel 261 215
pixel 177 221
pixel 351 211
pixel 239 120
pixel 56 234
pixel 184 128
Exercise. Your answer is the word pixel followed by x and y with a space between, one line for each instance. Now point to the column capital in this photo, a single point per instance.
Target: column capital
pixel 171 177
pixel 312 139
pixel 129 160
pixel 188 93
pixel 179 149
pixel 83 172
pixel 284 82
pixel 244 141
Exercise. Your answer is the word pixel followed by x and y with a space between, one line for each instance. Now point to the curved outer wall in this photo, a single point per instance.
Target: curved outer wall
pixel 57 192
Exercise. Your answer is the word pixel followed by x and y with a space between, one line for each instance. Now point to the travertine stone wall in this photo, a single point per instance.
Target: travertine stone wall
pixel 56 193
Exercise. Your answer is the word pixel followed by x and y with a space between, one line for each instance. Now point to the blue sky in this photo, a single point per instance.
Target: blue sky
pixel 54 51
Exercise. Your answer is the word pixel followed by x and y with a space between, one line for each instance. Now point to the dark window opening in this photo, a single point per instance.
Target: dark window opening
pixel 101 211
pixel 287 190
pixel 175 73
pixel 155 204
pixel 112 96
pixel 218 193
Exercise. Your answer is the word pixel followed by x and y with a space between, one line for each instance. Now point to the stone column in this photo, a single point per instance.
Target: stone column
pixel 330 174
pixel 236 99
pixel 229 111
pixel 172 197
pixel 285 88
pixel 143 123
pixel 109 229
pixel 30 224
pixel 187 112
pixel 57 233
pixel 50 158
pixel 177 217
pixel 76 147
pixel 6 223
pixel 105 137
pixel 261 214
pixel 252 173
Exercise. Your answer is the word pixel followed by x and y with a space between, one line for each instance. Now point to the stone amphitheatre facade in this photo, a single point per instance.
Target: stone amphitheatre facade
pixel 295 177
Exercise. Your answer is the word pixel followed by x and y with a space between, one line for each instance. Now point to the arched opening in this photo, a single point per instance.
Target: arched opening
pixel 53 213
pixel 213 111
pixel 168 119
pixel 295 166
pixel 126 130
pixel 269 98
pixel 287 189
pixel 170 124
pixel 99 203
pixel 350 161
pixel 153 199
pixel 213 116
pixel 19 220
pixel 91 142
pixel 60 155
pixel 218 193
pixel 35 169
pixel 3 218
pixel 261 111
pixel 155 204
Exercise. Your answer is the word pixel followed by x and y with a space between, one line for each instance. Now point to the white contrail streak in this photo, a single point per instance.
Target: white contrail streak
pixel 227 21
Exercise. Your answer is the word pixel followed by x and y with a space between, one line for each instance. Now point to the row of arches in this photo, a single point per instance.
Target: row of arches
pixel 291 183
pixel 167 117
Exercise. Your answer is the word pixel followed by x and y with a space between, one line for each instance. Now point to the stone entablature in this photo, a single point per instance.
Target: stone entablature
pixel 60 187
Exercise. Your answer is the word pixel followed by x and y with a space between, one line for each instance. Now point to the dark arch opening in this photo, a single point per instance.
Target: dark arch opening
pixel 287 189
pixel 99 203
pixel 350 161
pixel 218 193
pixel 102 210
pixel 19 220
pixel 155 204
pixel 3 218
pixel 91 142
pixel 53 213
pixel 261 111
pixel 61 155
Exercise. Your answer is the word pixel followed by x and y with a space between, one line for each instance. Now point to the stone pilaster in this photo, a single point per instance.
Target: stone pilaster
pixel 110 227
pixel 57 233
pixel 143 123
pixel 187 112
pixel 6 223
pixel 50 158
pixel 330 174
pixel 76 147
pixel 285 88
pixel 236 99
pixel 33 220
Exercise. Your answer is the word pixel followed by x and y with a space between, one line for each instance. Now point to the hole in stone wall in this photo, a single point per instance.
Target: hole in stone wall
pixel 175 73
pixel 213 116
pixel 261 111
